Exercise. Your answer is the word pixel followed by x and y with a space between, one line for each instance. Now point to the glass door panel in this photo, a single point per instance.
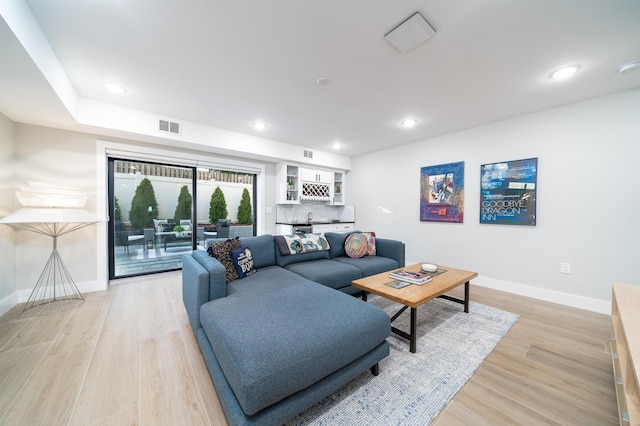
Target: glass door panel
pixel 152 214
pixel 225 205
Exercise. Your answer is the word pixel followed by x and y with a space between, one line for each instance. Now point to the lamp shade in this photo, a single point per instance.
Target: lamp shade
pixel 53 195
pixel 49 215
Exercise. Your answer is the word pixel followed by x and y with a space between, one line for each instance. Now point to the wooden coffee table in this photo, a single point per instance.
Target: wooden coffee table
pixel 413 295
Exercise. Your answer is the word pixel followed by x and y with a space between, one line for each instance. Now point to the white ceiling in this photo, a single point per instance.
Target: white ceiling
pixel 228 63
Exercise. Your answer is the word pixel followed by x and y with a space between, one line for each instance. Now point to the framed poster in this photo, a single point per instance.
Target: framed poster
pixel 508 192
pixel 442 193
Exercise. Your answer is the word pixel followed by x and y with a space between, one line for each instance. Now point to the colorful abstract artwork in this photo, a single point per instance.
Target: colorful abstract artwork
pixel 508 192
pixel 442 193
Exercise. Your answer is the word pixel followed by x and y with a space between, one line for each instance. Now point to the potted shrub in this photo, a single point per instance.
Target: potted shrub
pixel 144 207
pixel 183 209
pixel 217 206
pixel 179 230
pixel 244 210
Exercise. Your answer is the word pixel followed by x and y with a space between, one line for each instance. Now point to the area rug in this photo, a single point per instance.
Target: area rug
pixel 412 389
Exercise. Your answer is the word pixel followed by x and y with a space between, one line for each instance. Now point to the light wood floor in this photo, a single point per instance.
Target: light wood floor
pixel 553 367
pixel 127 356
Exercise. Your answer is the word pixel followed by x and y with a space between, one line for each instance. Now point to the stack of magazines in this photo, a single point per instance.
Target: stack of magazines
pixel 410 277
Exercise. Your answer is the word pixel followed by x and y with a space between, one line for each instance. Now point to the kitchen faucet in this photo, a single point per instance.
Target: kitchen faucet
pixel 309 218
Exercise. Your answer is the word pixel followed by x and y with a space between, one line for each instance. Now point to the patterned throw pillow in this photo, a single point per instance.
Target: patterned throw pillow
pixel 355 245
pixel 243 261
pixel 301 243
pixel 222 251
pixel 371 243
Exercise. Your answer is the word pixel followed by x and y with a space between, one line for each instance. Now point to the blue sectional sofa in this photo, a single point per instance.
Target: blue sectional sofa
pixel 283 339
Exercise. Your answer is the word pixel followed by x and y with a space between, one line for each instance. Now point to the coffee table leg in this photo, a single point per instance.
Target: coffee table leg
pixel 412 339
pixel 364 295
pixel 466 297
pixel 411 336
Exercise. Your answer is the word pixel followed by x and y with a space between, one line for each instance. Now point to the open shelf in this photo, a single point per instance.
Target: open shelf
pixel 625 350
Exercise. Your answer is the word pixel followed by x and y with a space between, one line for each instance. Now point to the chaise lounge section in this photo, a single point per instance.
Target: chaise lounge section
pixel 277 342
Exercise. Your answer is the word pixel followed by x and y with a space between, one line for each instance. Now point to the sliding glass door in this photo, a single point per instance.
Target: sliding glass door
pixel 151 211
pixel 158 212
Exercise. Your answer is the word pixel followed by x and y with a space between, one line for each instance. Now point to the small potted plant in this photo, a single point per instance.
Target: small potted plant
pixel 178 230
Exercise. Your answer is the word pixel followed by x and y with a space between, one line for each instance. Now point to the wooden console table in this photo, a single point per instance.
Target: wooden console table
pixel 625 350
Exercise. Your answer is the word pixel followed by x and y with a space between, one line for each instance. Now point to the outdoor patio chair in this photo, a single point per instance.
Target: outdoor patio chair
pixel 134 238
pixel 222 228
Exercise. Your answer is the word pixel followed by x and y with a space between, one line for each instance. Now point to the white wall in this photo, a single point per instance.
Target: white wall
pixel 7 259
pixel 68 158
pixel 587 211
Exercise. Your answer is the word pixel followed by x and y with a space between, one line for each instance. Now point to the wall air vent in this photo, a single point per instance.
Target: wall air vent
pixel 308 153
pixel 169 127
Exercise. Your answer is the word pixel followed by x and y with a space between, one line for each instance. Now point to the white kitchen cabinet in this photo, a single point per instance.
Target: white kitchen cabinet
pixel 316 175
pixel 332 227
pixel 344 227
pixel 288 181
pixel 322 227
pixel 316 184
pixel 284 229
pixel 296 183
pixel 338 198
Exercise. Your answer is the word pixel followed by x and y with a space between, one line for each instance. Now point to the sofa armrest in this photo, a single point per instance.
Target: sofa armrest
pixel 217 274
pixel 392 249
pixel 195 289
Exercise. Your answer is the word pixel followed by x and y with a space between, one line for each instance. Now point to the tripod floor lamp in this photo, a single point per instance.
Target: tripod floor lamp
pixel 55 289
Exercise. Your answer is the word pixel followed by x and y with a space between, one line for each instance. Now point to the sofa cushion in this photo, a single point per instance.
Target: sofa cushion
pixel 161 225
pixel 300 243
pixel 369 265
pixel 313 332
pixel 355 245
pixel 221 250
pixel 336 243
pixel 243 261
pixel 327 272
pixel 262 248
pixel 283 261
pixel 371 243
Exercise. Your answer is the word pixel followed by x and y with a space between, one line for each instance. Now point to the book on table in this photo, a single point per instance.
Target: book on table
pixel 410 277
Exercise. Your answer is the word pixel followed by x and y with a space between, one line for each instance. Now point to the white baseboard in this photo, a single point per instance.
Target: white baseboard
pixel 580 302
pixel 8 302
pixel 23 295
pixel 91 286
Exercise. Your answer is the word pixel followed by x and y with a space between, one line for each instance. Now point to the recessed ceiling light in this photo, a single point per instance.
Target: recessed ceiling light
pixel 260 125
pixel 409 122
pixel 323 81
pixel 628 67
pixel 115 88
pixel 337 145
pixel 564 73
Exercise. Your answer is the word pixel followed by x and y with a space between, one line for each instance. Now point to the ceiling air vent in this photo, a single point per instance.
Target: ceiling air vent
pixel 308 153
pixel 169 127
